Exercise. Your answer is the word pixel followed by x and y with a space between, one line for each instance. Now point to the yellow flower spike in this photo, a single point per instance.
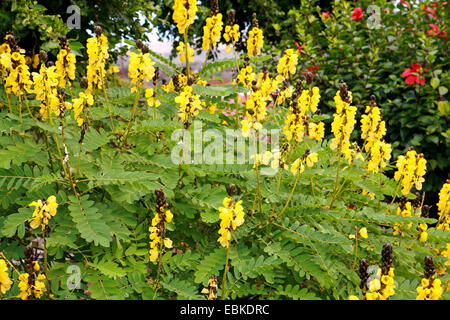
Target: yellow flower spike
pixel 184 12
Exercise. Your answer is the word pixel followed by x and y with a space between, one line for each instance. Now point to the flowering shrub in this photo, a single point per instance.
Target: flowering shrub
pixel 92 163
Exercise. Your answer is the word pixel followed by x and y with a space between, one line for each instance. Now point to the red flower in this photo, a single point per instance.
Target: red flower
pixel 435 31
pixel 326 14
pixel 312 68
pixel 357 14
pixel 405 3
pixel 414 74
pixel 299 47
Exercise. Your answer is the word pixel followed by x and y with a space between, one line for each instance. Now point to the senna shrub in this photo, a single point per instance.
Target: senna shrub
pixel 87 178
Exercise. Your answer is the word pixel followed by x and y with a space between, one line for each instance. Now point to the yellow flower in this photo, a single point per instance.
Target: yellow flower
pixel 311 159
pixel 5 281
pixel 65 66
pixel 150 94
pixel 140 69
pixel 44 211
pixel 212 30
pixel 184 12
pixel 182 52
pixel 353 298
pixel 232 216
pixel 363 233
pixel 79 104
pixel 97 49
pixel 255 41
pixel 287 64
pixel 189 104
pixel 231 34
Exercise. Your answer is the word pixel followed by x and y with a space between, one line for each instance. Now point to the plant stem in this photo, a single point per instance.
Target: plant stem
pixel 188 70
pixel 356 252
pixel 109 109
pixel 336 182
pixel 133 112
pixel 225 272
pixel 45 263
pixel 290 196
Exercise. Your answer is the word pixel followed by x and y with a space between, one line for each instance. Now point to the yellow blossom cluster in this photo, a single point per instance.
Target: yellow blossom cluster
pixel 79 104
pixel 298 165
pixel 157 231
pixel 150 94
pixel 35 287
pixel 343 124
pixel 255 41
pixel 410 171
pixel 189 104
pixel 246 76
pixel 382 286
pixel 65 66
pixel 444 207
pixel 181 49
pixel 231 216
pixel 18 80
pixel 380 153
pixel 184 12
pixel 256 112
pixel 297 122
pixel 97 50
pixel 5 281
pixel 140 69
pixel 44 211
pixel 429 289
pixel 362 232
pixel 212 31
pixel 45 88
pixel 231 34
pixel 373 128
pixel 287 65
pixel 212 291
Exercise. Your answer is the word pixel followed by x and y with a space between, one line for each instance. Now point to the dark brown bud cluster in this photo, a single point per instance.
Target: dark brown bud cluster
pixel 429 267
pixel 84 82
pixel 214 7
pixel 12 42
pixel 156 76
pixel 145 49
pixel 363 274
pixel 31 257
pixel 63 43
pixel 161 203
pixel 231 17
pixel 83 132
pixel 43 56
pixel 309 78
pixel 231 189
pixel 98 30
pixel 426 211
pixel 255 21
pixel 343 91
pixel 373 100
pixel 386 258
pixel 139 44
